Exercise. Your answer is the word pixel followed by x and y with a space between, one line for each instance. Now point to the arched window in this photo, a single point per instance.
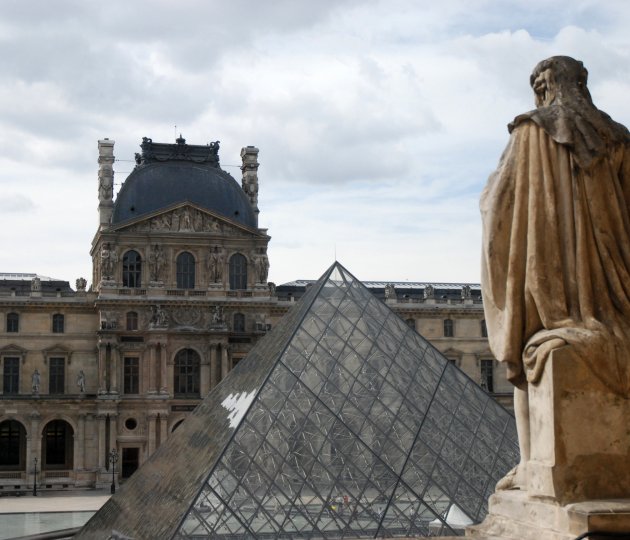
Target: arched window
pixel 13 322
pixel 58 437
pixel 238 272
pixel 186 380
pixel 185 271
pixel 58 323
pixel 12 445
pixel 132 320
pixel 448 328
pixel 239 322
pixel 132 269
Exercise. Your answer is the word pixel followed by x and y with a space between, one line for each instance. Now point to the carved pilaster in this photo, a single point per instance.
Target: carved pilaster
pixel 249 156
pixel 105 182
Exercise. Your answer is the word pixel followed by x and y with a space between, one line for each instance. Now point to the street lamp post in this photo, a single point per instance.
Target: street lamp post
pixel 34 477
pixel 113 458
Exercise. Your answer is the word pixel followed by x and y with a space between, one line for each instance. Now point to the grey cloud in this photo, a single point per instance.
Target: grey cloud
pixel 16 203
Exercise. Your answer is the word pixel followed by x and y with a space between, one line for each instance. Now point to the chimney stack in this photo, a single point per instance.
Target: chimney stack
pixel 105 182
pixel 249 156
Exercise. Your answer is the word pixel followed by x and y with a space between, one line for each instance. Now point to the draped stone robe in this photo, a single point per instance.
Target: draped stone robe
pixel 556 251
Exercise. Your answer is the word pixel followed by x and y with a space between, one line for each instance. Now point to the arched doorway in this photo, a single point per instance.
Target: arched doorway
pixel 12 446
pixel 57 446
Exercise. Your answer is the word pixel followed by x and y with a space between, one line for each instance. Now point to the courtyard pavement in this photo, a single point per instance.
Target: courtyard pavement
pixel 55 501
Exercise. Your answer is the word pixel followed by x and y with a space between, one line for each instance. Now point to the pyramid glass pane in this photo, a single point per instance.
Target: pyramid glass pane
pixel 341 423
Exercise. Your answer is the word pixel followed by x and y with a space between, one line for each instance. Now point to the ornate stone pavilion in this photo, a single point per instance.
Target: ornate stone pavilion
pixel 179 295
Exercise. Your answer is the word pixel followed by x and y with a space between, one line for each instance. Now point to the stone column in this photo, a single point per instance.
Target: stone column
pixel 114 367
pixel 34 442
pixel 151 418
pixel 102 373
pixel 204 376
pixel 105 182
pixel 101 441
pixel 225 366
pixel 213 365
pixel 79 463
pixel 163 383
pixel 152 369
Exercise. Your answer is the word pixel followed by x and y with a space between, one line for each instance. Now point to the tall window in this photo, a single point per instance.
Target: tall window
pixel 487 375
pixel 57 377
pixel 12 441
pixel 131 375
pixel 132 269
pixel 11 375
pixel 186 383
pixel 13 322
pixel 239 322
pixel 185 271
pixel 58 323
pixel 238 272
pixel 132 320
pixel 448 328
pixel 484 329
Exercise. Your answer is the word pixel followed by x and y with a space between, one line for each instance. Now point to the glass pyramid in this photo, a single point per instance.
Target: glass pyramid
pixel 342 423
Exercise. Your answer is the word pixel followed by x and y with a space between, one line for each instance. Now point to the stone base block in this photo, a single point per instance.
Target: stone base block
pixel 514 516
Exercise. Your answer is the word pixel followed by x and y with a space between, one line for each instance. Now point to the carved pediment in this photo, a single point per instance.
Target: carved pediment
pixel 12 349
pixel 186 218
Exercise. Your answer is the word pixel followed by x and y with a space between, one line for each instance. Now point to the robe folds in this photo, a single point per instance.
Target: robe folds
pixel 556 255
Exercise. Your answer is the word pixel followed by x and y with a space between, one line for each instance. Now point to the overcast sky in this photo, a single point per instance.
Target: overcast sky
pixel 378 122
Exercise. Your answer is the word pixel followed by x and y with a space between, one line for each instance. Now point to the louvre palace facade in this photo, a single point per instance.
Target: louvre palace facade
pixel 179 295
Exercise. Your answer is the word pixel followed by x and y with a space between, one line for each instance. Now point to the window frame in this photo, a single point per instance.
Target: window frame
pixel 132 269
pixel 487 375
pixel 58 323
pixel 131 320
pixel 13 322
pixel 131 375
pixel 12 375
pixel 238 322
pixel 185 270
pixel 57 375
pixel 237 270
pixel 449 327
pixel 186 374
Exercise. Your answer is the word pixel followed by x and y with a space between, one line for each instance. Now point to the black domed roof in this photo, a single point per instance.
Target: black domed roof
pixel 167 174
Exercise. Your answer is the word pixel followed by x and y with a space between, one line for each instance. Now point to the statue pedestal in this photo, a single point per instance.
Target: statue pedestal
pixel 515 516
pixel 578 477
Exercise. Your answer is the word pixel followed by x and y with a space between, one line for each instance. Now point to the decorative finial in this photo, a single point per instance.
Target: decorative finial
pixel 180 140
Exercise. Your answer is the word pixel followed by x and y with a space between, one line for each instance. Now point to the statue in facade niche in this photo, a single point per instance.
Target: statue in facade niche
pixel 35 382
pixel 159 317
pixel 109 258
pixel 556 243
pixel 261 263
pixel 429 291
pixel 215 263
pixel 81 381
pixel 156 262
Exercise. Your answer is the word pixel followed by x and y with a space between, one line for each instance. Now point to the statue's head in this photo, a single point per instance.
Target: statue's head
pixel 560 80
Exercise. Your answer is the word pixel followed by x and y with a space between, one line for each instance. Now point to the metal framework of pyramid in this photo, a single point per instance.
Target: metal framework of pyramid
pixel 341 423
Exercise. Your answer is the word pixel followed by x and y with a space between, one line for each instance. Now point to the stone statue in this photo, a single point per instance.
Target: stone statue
pixel 35 381
pixel 109 258
pixel 156 262
pixel 556 245
pixel 185 223
pixel 81 381
pixel 36 284
pixel 81 284
pixel 261 263
pixel 217 315
pixel 159 317
pixel 216 262
pixel 429 291
pixel 466 292
pixel 390 292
